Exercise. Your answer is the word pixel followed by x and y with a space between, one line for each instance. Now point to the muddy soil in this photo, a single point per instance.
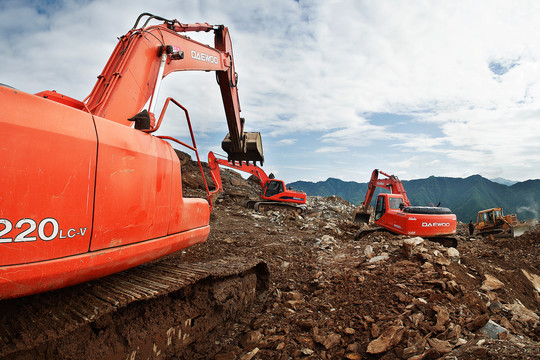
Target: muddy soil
pixel 382 296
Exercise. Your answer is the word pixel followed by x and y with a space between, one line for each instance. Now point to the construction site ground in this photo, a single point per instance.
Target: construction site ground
pixel 382 296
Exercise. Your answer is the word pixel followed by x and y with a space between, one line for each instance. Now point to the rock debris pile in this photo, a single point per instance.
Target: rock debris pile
pixel 382 296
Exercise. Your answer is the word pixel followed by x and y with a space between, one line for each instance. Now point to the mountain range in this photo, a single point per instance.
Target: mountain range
pixel 464 196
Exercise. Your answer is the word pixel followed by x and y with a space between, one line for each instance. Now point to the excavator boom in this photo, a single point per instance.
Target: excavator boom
pixel 144 56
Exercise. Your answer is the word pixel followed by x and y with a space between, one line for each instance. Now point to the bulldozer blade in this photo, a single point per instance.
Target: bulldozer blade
pixel 520 229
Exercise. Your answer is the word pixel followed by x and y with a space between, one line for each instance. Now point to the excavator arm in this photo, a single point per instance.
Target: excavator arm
pixel 392 183
pixel 214 163
pixel 146 54
pixel 371 189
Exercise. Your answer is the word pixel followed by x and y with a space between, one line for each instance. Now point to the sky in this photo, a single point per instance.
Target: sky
pixel 414 88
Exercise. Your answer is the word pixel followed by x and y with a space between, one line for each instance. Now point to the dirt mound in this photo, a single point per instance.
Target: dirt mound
pixel 382 296
pixel 379 297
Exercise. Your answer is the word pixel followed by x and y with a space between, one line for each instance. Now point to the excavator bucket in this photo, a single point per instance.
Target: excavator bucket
pixel 252 151
pixel 361 216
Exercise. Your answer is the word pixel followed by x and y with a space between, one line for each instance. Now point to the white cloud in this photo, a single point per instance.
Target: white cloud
pixel 332 149
pixel 470 70
pixel 286 142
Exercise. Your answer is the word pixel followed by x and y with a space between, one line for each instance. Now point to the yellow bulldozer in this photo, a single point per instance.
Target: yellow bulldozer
pixel 493 221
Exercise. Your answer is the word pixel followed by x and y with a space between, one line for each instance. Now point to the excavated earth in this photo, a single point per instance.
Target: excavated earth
pixel 382 296
pixel 378 297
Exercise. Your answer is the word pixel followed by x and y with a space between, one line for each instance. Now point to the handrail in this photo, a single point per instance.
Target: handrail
pixel 191 147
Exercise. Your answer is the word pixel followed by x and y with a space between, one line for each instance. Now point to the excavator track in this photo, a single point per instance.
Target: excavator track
pixel 263 206
pixel 158 310
pixel 446 241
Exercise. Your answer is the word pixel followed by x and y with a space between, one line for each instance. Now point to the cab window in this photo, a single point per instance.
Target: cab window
pixel 394 203
pixel 273 188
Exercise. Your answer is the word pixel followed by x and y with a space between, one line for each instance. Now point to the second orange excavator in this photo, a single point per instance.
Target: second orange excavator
pixel 274 193
pixel 394 212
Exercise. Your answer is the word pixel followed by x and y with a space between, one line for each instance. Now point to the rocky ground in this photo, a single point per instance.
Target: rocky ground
pixel 379 297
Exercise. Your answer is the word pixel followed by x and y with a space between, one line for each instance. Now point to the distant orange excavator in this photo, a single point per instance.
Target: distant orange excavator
pixel 394 212
pixel 274 193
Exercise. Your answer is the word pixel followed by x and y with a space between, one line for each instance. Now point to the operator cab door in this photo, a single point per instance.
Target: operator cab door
pixel 380 209
pixel 273 188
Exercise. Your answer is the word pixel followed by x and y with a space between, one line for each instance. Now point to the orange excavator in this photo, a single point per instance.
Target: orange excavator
pixel 274 193
pixel 87 190
pixel 395 213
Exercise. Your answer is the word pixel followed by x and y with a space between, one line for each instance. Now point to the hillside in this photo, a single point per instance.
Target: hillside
pixel 464 196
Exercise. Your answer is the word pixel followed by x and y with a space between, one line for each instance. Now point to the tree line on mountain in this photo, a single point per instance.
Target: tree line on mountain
pixel 464 196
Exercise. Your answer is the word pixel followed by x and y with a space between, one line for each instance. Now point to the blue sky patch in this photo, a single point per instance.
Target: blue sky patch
pixel 501 67
pixel 404 123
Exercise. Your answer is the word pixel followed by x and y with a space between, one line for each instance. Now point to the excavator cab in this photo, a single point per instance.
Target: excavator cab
pixel 394 203
pixel 273 187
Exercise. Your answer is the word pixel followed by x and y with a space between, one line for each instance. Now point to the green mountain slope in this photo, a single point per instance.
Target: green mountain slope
pixel 464 196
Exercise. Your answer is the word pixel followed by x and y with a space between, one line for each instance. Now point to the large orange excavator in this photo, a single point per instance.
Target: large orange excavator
pixel 395 213
pixel 86 189
pixel 274 193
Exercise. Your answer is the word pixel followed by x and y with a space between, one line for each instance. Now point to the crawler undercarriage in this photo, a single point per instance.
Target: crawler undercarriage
pixel 158 310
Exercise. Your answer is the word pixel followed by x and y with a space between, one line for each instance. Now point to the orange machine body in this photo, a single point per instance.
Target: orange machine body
pixel 395 213
pixel 425 221
pixel 83 193
pixel 76 208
